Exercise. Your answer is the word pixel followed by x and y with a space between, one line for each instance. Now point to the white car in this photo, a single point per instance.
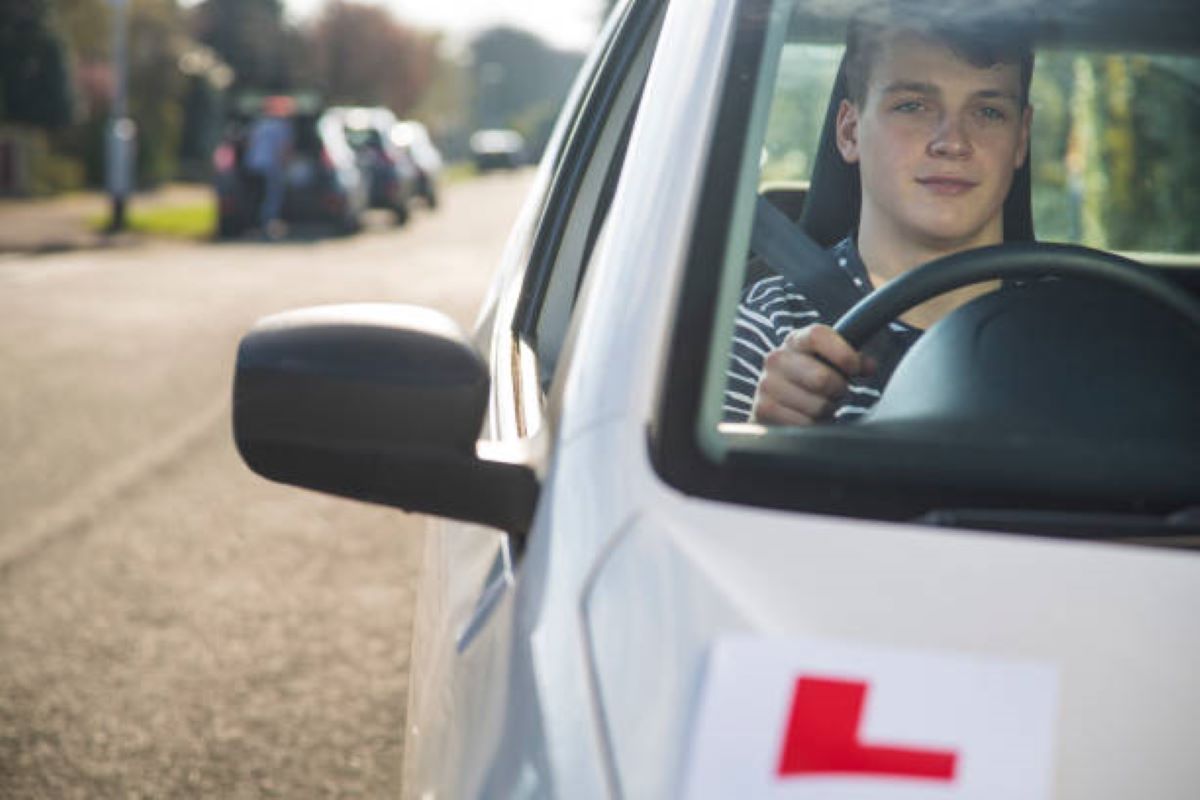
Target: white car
pixel 497 148
pixel 392 174
pixel 414 136
pixel 984 588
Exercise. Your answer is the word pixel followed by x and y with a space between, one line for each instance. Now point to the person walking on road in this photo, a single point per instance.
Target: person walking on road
pixel 267 152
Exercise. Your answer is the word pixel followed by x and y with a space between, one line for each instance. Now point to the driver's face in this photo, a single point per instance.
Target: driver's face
pixel 937 140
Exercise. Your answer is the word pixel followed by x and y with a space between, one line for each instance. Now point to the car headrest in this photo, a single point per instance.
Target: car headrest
pixel 832 206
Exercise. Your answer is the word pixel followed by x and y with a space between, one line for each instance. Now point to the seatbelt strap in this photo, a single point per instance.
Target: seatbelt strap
pixel 792 253
pixel 787 250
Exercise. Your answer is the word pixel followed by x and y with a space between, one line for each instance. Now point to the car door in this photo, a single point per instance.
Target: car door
pixel 458 694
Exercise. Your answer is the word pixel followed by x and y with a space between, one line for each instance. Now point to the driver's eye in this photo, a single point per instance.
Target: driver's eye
pixel 909 106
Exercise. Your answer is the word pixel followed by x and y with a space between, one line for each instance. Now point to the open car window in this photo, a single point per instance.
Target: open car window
pixel 1077 411
pixel 536 307
pixel 585 181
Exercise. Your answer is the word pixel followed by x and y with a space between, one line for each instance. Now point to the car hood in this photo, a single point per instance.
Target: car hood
pixel 775 655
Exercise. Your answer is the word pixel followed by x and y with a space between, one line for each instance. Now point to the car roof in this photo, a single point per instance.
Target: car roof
pixel 1128 24
pixel 379 117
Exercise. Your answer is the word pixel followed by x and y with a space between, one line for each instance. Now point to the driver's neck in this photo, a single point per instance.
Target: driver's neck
pixel 887 255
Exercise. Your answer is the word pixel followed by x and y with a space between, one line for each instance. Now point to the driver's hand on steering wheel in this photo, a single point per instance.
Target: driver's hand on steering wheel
pixel 803 379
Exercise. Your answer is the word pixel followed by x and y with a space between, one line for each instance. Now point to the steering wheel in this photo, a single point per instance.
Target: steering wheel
pixel 1016 260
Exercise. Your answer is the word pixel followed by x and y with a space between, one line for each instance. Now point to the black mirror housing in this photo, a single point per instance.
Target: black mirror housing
pixel 378 402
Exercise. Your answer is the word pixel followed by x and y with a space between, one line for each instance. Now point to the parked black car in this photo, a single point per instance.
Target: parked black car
pixel 323 180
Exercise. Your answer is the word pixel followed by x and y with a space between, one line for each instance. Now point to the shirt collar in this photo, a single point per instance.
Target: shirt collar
pixel 845 254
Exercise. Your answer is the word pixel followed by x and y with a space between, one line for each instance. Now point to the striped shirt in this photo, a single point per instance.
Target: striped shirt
pixel 769 310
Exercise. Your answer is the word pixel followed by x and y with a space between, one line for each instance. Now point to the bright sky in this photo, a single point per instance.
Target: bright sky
pixel 568 24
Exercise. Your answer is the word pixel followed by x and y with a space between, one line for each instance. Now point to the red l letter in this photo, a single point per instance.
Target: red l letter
pixel 823 738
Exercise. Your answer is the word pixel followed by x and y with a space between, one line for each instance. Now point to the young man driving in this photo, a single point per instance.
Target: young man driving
pixel 937 122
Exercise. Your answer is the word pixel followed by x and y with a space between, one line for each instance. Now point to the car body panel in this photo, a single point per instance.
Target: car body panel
pixel 459 657
pixel 1110 621
pixel 552 744
pixel 620 533
pixel 447 588
pixel 628 291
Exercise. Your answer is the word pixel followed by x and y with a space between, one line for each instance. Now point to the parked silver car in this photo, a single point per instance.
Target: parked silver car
pixel 413 136
pixel 392 174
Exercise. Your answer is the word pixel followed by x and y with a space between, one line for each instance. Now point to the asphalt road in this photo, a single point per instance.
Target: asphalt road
pixel 172 625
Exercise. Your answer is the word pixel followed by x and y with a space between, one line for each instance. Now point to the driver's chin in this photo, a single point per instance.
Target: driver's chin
pixel 951 232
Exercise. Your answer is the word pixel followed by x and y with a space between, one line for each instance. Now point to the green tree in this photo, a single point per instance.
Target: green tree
pixel 520 82
pixel 157 39
pixel 1165 119
pixel 253 38
pixel 203 105
pixel 798 111
pixel 1114 150
pixel 445 106
pixel 363 56
pixel 35 82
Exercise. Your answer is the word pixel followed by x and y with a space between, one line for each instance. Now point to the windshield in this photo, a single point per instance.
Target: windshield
pixel 963 131
pixel 1115 163
pixel 364 138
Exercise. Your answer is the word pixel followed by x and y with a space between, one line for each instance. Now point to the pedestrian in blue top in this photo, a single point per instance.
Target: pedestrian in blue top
pixel 268 149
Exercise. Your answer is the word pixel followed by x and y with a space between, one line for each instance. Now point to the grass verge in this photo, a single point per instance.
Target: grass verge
pixel 190 221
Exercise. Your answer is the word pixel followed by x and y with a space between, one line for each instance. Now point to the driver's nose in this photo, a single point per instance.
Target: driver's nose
pixel 950 139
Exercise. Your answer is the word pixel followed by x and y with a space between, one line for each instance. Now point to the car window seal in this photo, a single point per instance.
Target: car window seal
pixel 574 165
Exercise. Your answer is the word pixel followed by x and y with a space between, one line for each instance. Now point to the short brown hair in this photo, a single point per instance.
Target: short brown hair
pixel 1000 44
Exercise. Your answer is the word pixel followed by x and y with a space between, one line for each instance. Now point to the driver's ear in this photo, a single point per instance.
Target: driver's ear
pixel 846 128
pixel 1023 143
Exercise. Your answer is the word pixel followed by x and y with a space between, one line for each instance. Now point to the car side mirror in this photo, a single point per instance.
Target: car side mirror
pixel 378 402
